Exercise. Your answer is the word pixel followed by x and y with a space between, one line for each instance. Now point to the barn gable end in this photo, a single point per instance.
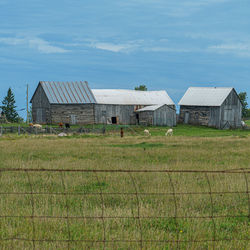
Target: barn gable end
pixel 40 106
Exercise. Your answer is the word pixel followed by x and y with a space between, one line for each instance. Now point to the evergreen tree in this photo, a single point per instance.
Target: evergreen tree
pixel 9 107
pixel 243 98
pixel 141 87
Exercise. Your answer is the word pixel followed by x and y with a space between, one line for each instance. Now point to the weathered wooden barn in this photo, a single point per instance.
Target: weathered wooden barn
pixel 211 106
pixel 123 106
pixel 66 102
pixel 76 103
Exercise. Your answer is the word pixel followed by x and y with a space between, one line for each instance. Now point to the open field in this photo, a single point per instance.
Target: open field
pixel 153 210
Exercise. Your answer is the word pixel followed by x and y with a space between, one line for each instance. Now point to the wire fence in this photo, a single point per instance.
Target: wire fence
pixel 124 209
pixel 49 130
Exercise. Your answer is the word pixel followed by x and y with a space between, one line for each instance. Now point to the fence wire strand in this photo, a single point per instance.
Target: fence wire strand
pixel 139 217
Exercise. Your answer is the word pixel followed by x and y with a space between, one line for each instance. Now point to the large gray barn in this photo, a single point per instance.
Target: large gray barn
pixel 214 107
pixel 76 103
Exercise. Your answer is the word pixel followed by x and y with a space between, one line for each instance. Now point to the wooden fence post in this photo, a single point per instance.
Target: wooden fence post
pixel 1 131
pixel 19 130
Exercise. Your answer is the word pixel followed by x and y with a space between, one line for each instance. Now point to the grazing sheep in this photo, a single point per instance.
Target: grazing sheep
pixel 243 124
pixel 146 132
pixel 169 132
pixel 38 126
pixel 62 134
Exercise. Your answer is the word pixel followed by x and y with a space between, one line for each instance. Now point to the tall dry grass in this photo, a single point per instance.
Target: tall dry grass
pixel 121 221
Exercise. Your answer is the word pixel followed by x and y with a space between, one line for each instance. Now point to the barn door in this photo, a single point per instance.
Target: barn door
pixel 39 115
pixel 73 119
pixel 186 117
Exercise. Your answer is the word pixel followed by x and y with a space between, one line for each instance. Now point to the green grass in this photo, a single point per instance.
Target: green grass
pixel 179 130
pixel 196 148
pixel 247 122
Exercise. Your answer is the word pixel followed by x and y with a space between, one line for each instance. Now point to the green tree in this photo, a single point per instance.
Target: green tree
pixel 243 98
pixel 141 87
pixel 9 107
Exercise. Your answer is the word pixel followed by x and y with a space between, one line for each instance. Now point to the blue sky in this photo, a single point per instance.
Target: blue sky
pixel 165 44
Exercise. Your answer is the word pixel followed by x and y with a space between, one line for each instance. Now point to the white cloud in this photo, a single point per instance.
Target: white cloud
pixel 161 45
pixel 44 46
pixel 114 47
pixel 34 43
pixel 167 49
pixel 240 49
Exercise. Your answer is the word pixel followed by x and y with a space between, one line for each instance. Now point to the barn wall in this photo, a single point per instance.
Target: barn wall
pixel 200 115
pixel 72 113
pixel 146 118
pixel 124 113
pixel 214 117
pixel 40 107
pixel 231 111
pixel 165 116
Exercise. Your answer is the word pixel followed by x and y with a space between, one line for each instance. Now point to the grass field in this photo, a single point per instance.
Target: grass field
pixel 191 148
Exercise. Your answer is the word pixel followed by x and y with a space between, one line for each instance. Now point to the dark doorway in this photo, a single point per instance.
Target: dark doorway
pixel 114 120
pixel 137 118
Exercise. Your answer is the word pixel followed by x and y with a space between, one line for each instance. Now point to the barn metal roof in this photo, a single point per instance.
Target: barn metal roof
pixel 150 108
pixel 131 97
pixel 68 92
pixel 205 96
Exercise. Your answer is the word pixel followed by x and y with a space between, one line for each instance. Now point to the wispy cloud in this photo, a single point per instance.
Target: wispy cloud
pixel 240 49
pixel 114 47
pixel 39 44
pixel 167 49
pixel 174 8
pixel 161 45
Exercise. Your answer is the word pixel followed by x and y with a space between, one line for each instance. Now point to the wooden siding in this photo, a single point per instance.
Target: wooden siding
pixel 72 113
pixel 124 113
pixel 41 107
pixel 163 116
pixel 231 111
pixel 200 115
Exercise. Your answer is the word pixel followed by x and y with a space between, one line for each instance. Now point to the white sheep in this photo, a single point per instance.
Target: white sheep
pixel 146 132
pixel 169 132
pixel 38 126
pixel 243 124
pixel 62 134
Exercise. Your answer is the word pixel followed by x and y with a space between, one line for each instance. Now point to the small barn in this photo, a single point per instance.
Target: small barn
pixel 157 115
pixel 76 103
pixel 211 106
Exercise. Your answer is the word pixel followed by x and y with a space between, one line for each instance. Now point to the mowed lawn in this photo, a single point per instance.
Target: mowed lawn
pixel 82 210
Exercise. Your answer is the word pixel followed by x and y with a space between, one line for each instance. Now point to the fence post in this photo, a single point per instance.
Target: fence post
pixel 1 131
pixel 104 130
pixel 19 130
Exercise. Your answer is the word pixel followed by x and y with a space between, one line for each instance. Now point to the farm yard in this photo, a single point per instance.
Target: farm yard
pixel 95 191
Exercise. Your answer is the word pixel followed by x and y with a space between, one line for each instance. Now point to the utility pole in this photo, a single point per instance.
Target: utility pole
pixel 27 103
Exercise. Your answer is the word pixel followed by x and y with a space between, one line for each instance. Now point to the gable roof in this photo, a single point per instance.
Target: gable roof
pixel 67 92
pixel 131 97
pixel 205 96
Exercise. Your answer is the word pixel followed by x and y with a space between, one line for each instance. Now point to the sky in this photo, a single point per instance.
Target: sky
pixel 165 44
